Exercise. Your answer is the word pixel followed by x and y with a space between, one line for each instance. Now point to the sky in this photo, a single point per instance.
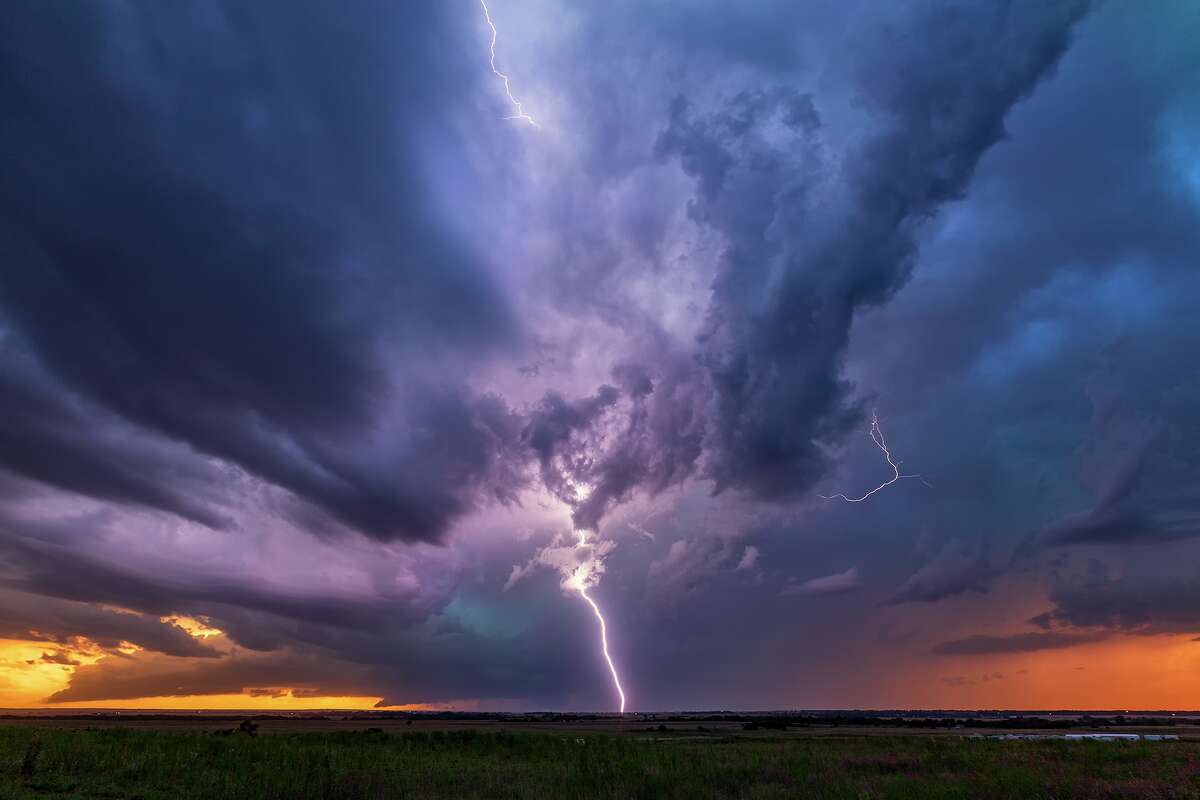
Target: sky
pixel 328 380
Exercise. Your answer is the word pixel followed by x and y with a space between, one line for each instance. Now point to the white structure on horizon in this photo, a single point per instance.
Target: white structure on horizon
pixel 1098 737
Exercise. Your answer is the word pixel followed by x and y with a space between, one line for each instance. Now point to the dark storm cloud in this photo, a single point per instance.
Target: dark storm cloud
pixel 29 617
pixel 1125 513
pixel 215 220
pixel 132 678
pixel 952 572
pixel 1144 604
pixel 1045 204
pixel 219 241
pixel 1048 291
pixel 46 562
pixel 383 643
pixel 812 234
pixel 552 434
pixel 1016 643
pixel 435 665
pixel 800 262
pixel 216 293
pixel 646 435
pixel 49 436
pixel 448 662
pixel 688 565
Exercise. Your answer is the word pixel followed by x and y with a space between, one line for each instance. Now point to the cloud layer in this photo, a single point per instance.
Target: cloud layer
pixel 300 338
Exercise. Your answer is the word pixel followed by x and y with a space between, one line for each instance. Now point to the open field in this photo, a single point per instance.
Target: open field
pixel 1186 725
pixel 576 762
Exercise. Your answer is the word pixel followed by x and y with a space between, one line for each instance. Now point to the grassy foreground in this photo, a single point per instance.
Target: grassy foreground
pixel 117 763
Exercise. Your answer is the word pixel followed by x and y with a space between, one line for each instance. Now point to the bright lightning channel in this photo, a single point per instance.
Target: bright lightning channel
pixel 521 115
pixel 579 580
pixel 880 442
pixel 604 645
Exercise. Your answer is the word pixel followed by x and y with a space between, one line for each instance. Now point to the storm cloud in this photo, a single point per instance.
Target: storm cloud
pixel 232 274
pixel 300 337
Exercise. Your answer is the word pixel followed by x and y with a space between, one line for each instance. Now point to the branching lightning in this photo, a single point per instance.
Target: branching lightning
pixel 880 442
pixel 521 115
pixel 578 581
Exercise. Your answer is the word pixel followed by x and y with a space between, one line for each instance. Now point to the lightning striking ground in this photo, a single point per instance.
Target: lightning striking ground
pixel 579 582
pixel 604 645
pixel 880 442
pixel 579 578
pixel 521 115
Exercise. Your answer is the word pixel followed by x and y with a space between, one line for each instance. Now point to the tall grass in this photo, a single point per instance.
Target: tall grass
pixel 123 763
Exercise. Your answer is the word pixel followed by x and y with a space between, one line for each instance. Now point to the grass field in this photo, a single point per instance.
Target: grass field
pixel 122 763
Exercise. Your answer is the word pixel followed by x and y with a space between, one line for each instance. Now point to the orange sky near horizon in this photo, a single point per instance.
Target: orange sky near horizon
pixel 26 685
pixel 1131 672
pixel 1147 673
pixel 31 671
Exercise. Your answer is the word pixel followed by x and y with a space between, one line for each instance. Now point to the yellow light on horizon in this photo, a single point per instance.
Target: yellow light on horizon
pixel 30 671
pixel 196 627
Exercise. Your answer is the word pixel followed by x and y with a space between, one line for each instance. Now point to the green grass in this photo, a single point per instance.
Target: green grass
pixel 117 763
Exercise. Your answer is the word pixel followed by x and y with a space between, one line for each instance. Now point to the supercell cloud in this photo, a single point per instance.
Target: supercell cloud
pixel 315 369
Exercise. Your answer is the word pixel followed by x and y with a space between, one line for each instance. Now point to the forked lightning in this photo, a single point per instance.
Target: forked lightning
pixel 521 115
pixel 880 442
pixel 579 579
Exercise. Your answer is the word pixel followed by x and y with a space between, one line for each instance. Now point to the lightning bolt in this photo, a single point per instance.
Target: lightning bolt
pixel 880 442
pixel 579 582
pixel 604 645
pixel 578 579
pixel 521 115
